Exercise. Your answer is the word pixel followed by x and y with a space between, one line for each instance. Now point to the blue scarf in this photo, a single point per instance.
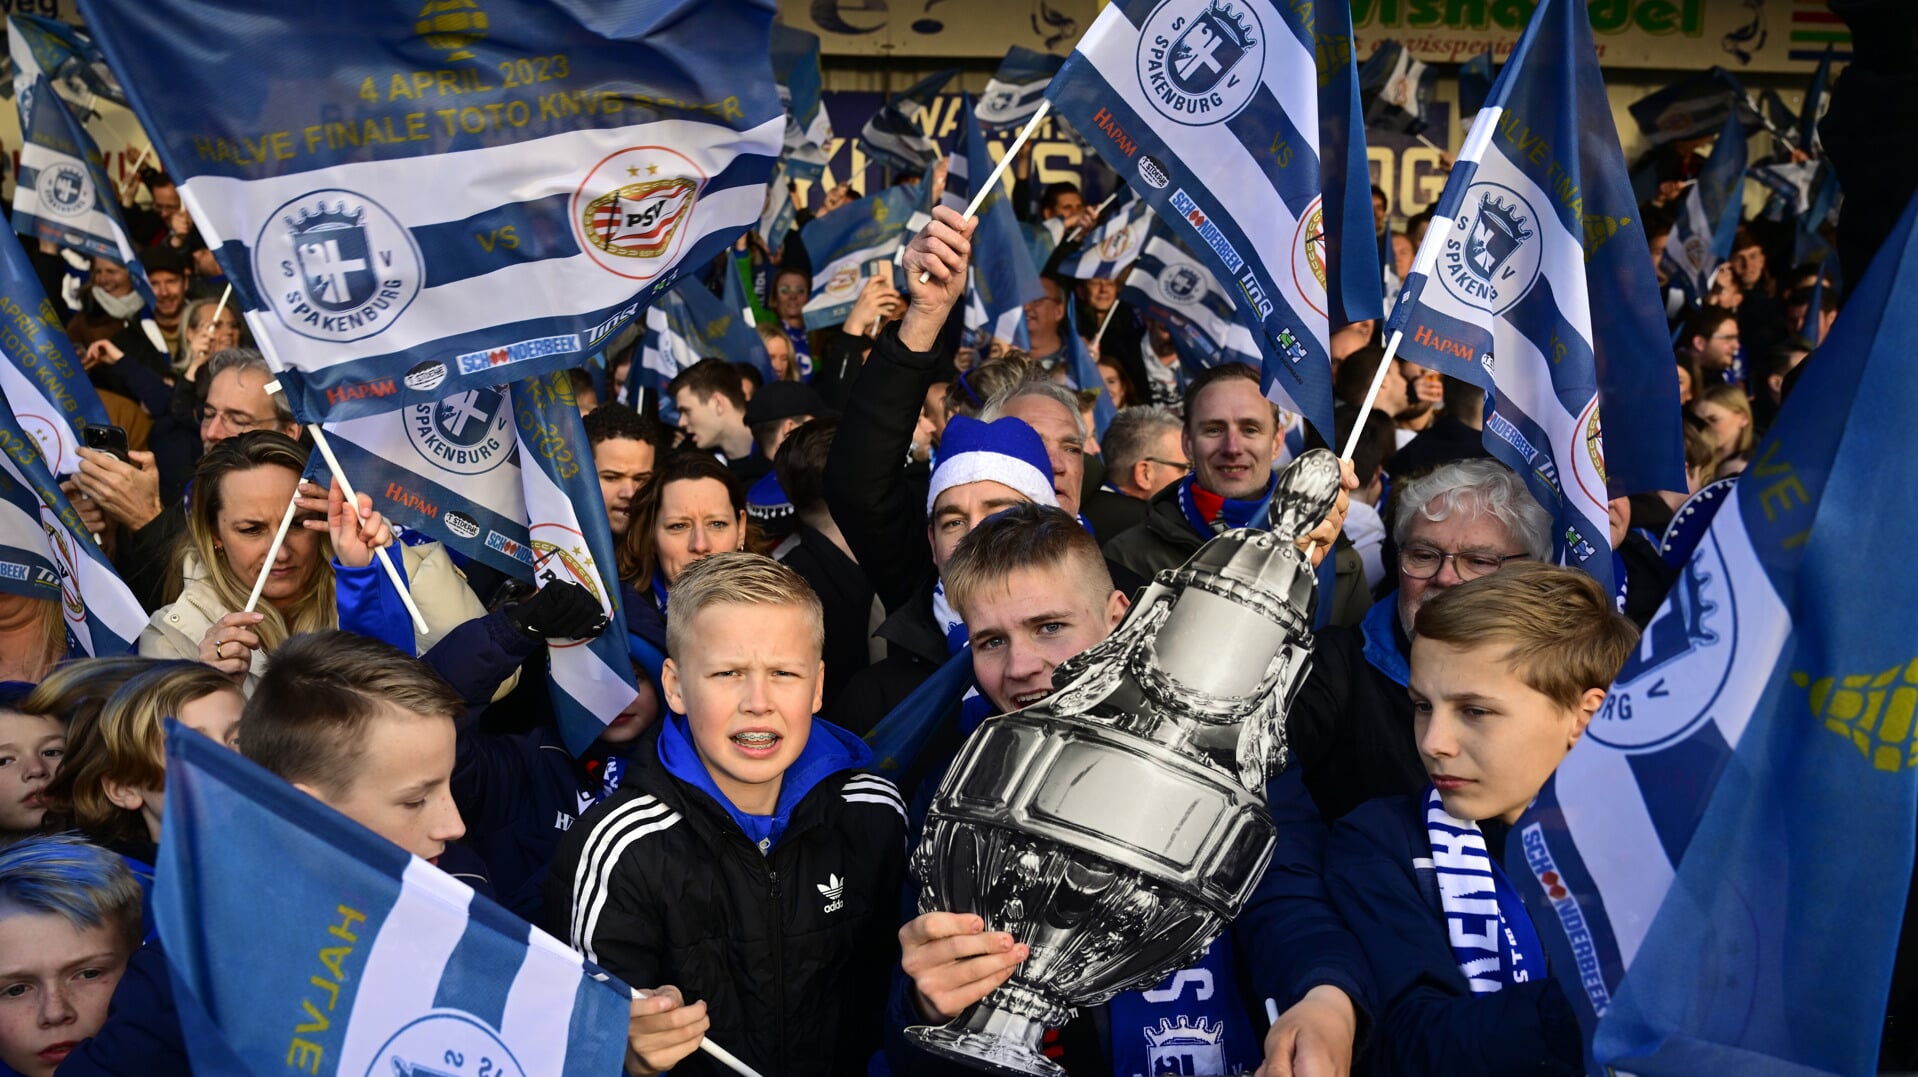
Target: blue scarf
pixel 1491 933
pixel 1229 515
pixel 828 751
pixel 1193 1022
pixel 659 592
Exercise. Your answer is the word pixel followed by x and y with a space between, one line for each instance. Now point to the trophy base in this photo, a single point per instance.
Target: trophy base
pixel 984 1052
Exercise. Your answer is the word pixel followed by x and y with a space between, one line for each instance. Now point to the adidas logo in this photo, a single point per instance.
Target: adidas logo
pixel 831 889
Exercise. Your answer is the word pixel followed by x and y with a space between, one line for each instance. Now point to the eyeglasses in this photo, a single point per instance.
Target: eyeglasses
pixel 238 421
pixel 1181 465
pixel 791 289
pixel 1424 562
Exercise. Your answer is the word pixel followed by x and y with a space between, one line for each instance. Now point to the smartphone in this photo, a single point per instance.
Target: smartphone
pixel 106 439
pixel 880 267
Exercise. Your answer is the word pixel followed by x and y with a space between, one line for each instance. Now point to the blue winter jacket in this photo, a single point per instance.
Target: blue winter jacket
pixel 1429 1021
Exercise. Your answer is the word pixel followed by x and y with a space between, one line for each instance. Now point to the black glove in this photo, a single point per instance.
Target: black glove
pixel 560 610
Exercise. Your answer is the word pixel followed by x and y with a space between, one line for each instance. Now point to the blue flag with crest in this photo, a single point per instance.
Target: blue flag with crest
pixel 1213 113
pixel 846 247
pixel 1533 284
pixel 46 552
pixel 1709 213
pixel 1015 90
pixel 504 476
pixel 62 193
pixel 896 135
pixel 1168 283
pixel 1719 868
pixel 298 939
pixel 795 59
pixel 41 378
pixel 1003 275
pixel 412 206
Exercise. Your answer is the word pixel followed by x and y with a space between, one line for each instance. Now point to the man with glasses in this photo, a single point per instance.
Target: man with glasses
pixel 129 494
pixel 1351 726
pixel 1144 452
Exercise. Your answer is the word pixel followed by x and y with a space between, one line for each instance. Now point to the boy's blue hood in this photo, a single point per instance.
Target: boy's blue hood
pixel 828 750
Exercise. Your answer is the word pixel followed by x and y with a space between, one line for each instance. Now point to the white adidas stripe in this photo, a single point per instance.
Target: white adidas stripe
pixel 872 783
pixel 595 866
pixel 862 799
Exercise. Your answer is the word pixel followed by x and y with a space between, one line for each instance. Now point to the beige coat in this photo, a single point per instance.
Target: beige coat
pixel 438 586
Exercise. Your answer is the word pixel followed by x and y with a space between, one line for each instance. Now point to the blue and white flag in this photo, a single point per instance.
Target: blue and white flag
pixel 297 939
pixel 776 217
pixel 1808 238
pixel 795 60
pixel 46 552
pixel 666 347
pixel 1396 87
pixel 1474 86
pixel 719 327
pixel 1719 868
pixel 846 246
pixel 571 541
pixel 1690 108
pixel 1084 370
pixel 62 193
pixel 405 216
pixel 1169 282
pixel 1791 184
pixel 1532 283
pixel 41 378
pixel 1211 110
pixel 1814 106
pixel 1002 272
pixel 1346 251
pixel 1015 90
pixel 1107 250
pixel 896 136
pixel 503 475
pixel 1709 214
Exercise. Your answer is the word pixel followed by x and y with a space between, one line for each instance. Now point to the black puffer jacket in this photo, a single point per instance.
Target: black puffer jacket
pixel 792 951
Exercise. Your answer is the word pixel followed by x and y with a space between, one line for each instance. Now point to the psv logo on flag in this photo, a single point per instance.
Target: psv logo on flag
pixel 632 211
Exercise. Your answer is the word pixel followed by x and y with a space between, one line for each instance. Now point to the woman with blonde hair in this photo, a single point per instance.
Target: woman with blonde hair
pixel 111 785
pixel 779 352
pixel 240 491
pixel 1726 414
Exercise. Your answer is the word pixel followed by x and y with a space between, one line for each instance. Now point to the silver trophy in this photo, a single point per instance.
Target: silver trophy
pixel 1119 825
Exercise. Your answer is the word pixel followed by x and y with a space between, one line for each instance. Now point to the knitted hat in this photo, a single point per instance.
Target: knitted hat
pixel 1005 451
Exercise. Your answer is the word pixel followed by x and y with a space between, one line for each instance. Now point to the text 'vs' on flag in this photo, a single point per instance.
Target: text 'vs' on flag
pixel 407 211
pixel 298 939
pixel 1732 837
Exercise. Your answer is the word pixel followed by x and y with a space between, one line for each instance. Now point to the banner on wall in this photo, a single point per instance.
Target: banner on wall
pixel 1741 35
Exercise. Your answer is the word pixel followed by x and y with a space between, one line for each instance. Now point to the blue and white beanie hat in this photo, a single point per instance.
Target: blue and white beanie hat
pixel 1005 451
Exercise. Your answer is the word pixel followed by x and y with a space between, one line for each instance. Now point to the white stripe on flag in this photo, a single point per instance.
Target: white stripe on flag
pixel 401 976
pixel 547 983
pixel 415 192
pixel 1231 173
pixel 41 419
pixel 1623 855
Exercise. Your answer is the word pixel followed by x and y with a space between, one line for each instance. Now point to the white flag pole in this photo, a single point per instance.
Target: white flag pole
pixel 273 551
pixel 999 170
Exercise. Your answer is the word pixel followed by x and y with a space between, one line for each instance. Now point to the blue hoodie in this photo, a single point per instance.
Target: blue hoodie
pixel 829 750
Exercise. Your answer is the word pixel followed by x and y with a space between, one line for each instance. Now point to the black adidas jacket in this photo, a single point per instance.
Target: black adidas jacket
pixel 792 951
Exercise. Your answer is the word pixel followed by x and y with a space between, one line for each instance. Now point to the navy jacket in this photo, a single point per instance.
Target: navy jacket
pixel 518 793
pixel 1429 1021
